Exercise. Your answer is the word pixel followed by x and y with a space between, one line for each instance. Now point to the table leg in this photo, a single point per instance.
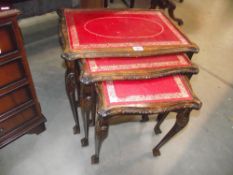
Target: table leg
pixel 171 8
pixel 71 88
pixel 182 119
pixel 163 4
pixel 101 133
pixel 87 104
pixel 161 117
pixel 85 108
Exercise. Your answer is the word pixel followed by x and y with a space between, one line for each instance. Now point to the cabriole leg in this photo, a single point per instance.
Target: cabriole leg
pixel 182 119
pixel 85 108
pixel 171 8
pixel 160 120
pixel 101 133
pixel 70 81
pixel 86 101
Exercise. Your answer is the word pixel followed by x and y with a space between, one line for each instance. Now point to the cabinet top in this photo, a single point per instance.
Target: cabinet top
pixel 9 13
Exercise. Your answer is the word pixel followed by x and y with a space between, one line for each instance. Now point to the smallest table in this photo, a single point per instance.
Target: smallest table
pixel 154 96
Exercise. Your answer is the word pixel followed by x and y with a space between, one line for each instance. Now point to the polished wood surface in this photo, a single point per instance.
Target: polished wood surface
pixel 16 120
pixel 7 42
pixel 20 111
pixel 14 98
pixel 13 68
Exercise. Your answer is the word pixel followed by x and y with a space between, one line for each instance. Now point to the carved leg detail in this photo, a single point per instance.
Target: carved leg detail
pixel 145 118
pixel 171 9
pixel 182 119
pixel 160 120
pixel 70 90
pixel 101 133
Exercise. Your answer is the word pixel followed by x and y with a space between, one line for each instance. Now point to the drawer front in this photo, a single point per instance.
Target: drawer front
pixel 14 99
pixel 17 120
pixel 8 42
pixel 11 72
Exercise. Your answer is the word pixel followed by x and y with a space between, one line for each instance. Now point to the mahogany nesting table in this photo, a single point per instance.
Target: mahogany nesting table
pixel 84 34
pixel 153 96
pixel 94 39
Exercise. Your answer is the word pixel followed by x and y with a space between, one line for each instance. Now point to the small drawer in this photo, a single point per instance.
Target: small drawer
pixel 14 99
pixel 8 42
pixel 17 120
pixel 11 72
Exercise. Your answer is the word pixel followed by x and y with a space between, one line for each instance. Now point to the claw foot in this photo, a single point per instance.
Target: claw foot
pixel 156 152
pixel 94 159
pixel 84 142
pixel 76 129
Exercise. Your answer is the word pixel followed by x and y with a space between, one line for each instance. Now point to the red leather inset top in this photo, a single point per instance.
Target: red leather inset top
pixel 139 63
pixel 117 29
pixel 165 89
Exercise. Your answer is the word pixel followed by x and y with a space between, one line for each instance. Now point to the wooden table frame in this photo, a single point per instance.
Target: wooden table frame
pixel 106 113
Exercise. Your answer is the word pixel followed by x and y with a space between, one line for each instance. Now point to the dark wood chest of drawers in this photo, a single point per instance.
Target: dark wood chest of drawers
pixel 20 111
